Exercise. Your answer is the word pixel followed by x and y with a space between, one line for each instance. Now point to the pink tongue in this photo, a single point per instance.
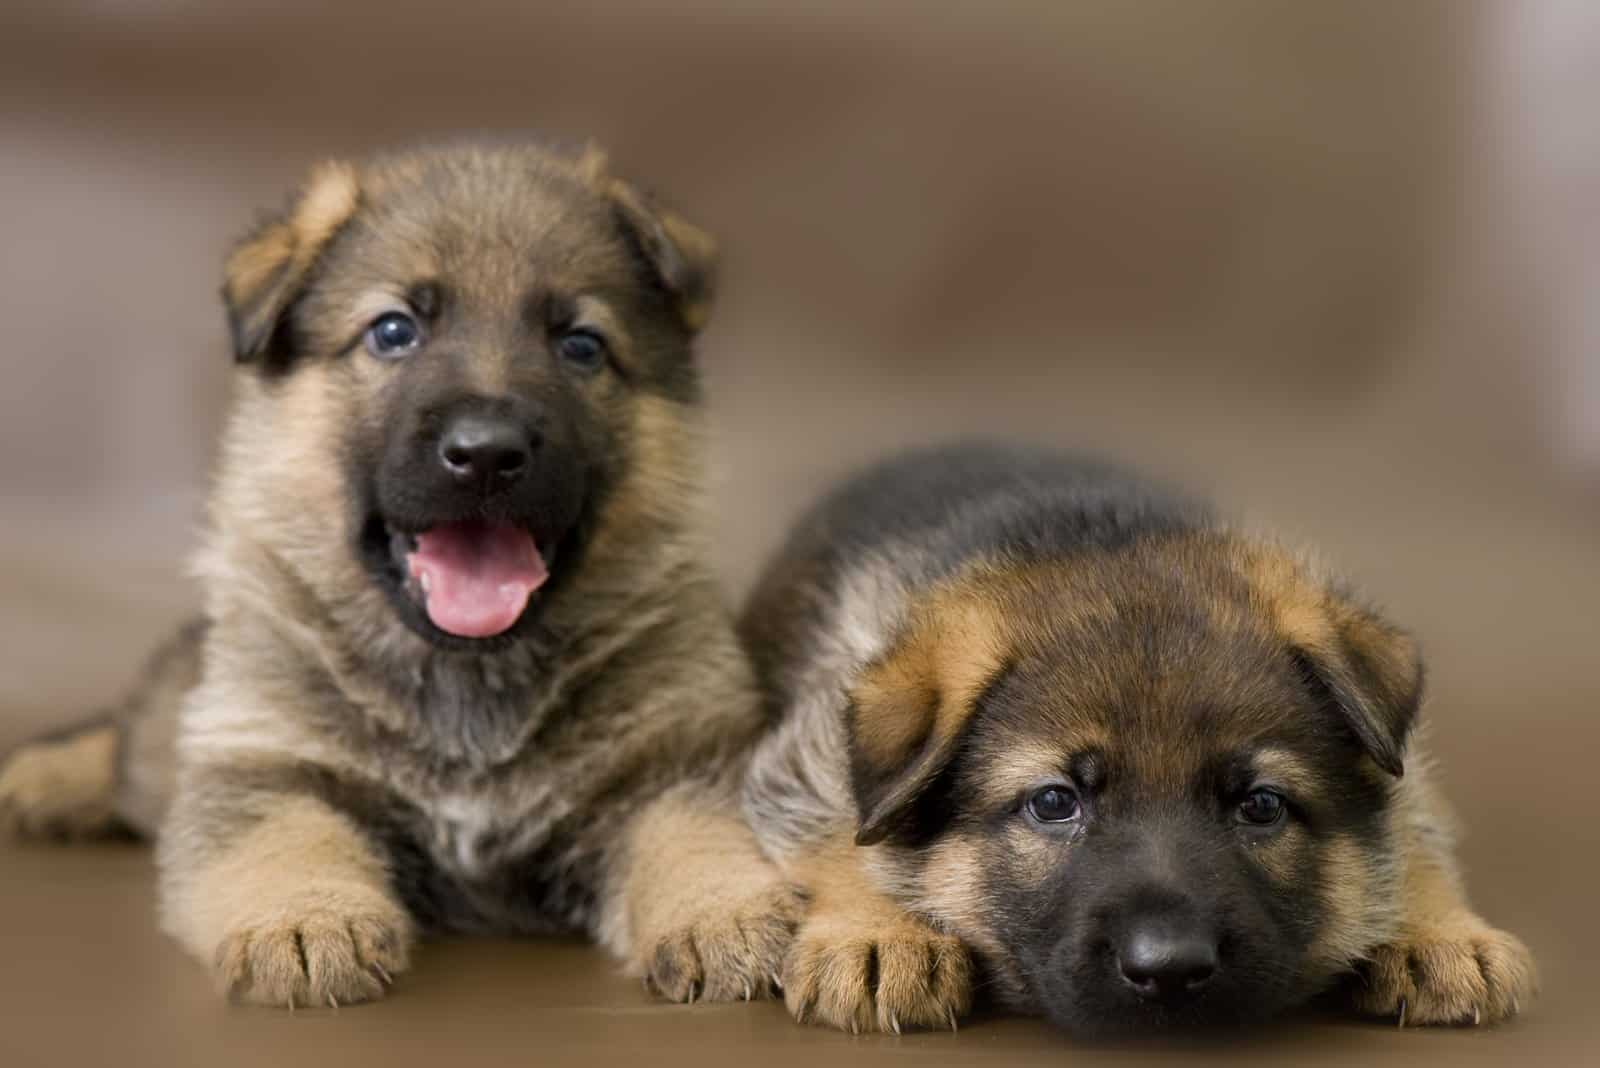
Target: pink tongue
pixel 477 576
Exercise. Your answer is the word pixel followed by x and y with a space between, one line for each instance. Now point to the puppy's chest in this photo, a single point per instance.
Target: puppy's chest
pixel 474 835
pixel 482 863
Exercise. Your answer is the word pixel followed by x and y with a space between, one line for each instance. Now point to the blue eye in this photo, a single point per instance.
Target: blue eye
pixel 1261 808
pixel 582 348
pixel 1054 804
pixel 393 335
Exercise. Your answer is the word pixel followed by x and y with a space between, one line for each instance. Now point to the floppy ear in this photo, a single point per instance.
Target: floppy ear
pixel 1357 661
pixel 909 710
pixel 683 256
pixel 1372 670
pixel 267 270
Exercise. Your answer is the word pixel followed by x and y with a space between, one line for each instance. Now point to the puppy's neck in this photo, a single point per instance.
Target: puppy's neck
pixel 485 709
pixel 465 709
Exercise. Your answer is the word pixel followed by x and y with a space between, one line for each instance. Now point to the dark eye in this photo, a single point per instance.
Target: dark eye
pixel 1054 804
pixel 1261 808
pixel 582 348
pixel 392 335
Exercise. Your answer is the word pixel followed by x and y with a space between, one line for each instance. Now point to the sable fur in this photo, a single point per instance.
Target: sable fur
pixel 342 777
pixel 950 631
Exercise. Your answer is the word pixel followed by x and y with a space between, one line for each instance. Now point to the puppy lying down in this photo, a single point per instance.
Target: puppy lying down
pixel 1051 734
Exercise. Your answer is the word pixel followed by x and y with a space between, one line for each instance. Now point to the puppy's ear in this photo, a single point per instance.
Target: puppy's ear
pixel 1353 659
pixel 1372 670
pixel 909 710
pixel 267 270
pixel 683 256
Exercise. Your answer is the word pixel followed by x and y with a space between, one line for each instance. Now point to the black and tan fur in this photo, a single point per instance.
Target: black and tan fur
pixel 954 632
pixel 344 776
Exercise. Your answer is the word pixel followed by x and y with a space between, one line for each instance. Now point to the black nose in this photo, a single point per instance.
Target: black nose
pixel 1164 960
pixel 486 449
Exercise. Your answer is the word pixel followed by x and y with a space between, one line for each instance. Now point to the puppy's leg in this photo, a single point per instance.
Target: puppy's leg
pixel 284 897
pixel 63 786
pixel 1446 965
pixel 110 775
pixel 696 908
pixel 861 962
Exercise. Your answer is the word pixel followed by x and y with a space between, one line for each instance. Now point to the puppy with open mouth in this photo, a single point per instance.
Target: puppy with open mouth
pixel 1052 733
pixel 463 665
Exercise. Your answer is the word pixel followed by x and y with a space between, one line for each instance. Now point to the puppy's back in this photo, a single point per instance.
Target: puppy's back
pixel 908 522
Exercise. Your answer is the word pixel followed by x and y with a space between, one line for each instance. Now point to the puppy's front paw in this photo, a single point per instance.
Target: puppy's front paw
pixel 730 953
pixel 1460 972
pixel 332 945
pixel 859 977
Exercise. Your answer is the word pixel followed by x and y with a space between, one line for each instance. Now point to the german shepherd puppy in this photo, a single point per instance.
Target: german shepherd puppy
pixel 1054 733
pixel 463 665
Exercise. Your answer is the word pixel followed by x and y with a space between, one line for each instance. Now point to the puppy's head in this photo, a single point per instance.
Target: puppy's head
pixel 463 369
pixel 1151 787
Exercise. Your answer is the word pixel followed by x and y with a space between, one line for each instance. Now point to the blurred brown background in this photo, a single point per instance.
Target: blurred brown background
pixel 1334 262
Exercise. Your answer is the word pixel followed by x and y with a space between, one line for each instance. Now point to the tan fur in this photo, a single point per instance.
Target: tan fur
pixel 669 441
pixel 908 708
pixel 696 889
pixel 1359 898
pixel 263 273
pixel 951 886
pixel 114 774
pixel 1429 959
pixel 862 963
pixel 925 687
pixel 593 165
pixel 1034 760
pixel 63 788
pixel 1442 963
pixel 1281 767
pixel 689 252
pixel 297 911
pixel 1299 605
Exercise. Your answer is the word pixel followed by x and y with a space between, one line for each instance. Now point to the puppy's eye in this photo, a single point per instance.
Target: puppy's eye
pixel 1261 808
pixel 584 349
pixel 393 335
pixel 1054 804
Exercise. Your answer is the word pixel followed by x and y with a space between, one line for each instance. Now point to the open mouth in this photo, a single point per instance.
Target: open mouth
pixel 472 578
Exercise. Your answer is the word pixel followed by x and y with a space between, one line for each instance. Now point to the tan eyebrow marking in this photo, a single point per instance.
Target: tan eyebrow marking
pixel 1030 762
pixel 373 303
pixel 595 314
pixel 1284 768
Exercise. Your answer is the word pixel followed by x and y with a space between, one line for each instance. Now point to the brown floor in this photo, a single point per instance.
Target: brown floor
pixel 87 981
pixel 1240 251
